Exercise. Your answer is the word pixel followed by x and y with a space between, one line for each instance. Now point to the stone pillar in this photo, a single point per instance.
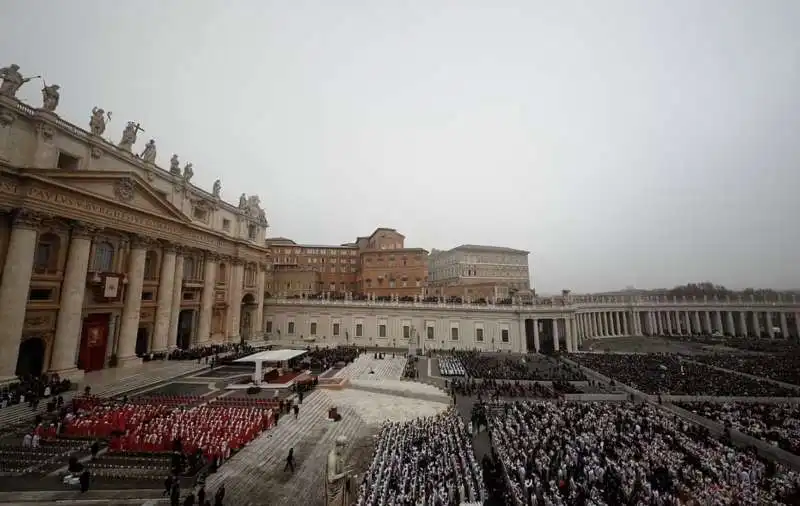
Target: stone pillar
pixel 207 299
pixel 258 320
pixel 16 281
pixel 595 325
pixel 235 300
pixel 718 321
pixel 797 323
pixel 659 324
pixel 617 326
pixel 536 334
pixel 756 324
pixel 729 323
pixel 709 327
pixel 687 322
pixel 129 327
pixel 698 329
pixel 568 334
pixel 70 314
pixel 555 334
pixel 175 307
pixel 166 285
pixel 768 323
pixel 784 325
pixel 743 324
pixel 606 324
pixel 676 317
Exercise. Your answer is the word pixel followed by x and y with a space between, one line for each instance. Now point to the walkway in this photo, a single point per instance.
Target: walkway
pixel 387 368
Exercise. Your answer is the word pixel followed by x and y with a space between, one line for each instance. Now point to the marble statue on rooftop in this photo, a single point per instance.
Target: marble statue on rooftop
pixel 97 124
pixel 149 153
pixel 50 97
pixel 217 188
pixel 174 166
pixel 188 172
pixel 243 201
pixel 129 135
pixel 12 80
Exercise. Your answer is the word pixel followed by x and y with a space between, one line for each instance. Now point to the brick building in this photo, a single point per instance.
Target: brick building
pixel 388 267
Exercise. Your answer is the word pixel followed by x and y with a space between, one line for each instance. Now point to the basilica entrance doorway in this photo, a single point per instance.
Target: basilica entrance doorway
pixel 246 323
pixel 94 338
pixel 185 327
pixel 142 341
pixel 30 360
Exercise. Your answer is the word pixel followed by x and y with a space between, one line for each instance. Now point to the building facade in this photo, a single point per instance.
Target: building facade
pixel 105 255
pixel 525 328
pixel 478 272
pixel 378 264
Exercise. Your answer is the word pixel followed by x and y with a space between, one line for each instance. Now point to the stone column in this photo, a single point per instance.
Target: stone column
pixel 743 324
pixel 593 319
pixel 536 334
pixel 659 324
pixel 568 334
pixel 70 314
pixel 729 323
pixel 126 353
pixel 687 322
pixel 709 327
pixel 175 307
pixel 16 281
pixel 797 323
pixel 606 324
pixel 698 329
pixel 207 299
pixel 718 321
pixel 166 285
pixel 784 325
pixel 258 319
pixel 756 324
pixel 617 326
pixel 235 300
pixel 555 334
pixel 768 323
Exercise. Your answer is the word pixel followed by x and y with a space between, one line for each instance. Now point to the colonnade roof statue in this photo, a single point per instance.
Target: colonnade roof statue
pixel 13 80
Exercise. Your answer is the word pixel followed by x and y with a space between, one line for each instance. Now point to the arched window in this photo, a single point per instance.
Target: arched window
pixel 46 258
pixel 188 268
pixel 151 265
pixel 103 257
pixel 222 273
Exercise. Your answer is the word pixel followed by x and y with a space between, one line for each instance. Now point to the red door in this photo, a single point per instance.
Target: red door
pixel 93 342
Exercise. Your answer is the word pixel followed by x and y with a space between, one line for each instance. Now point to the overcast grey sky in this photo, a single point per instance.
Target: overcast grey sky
pixel 621 142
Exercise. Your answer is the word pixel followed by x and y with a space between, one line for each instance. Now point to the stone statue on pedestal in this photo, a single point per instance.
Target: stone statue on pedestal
pixel 217 188
pixel 50 97
pixel 188 172
pixel 12 80
pixel 149 153
pixel 174 166
pixel 337 476
pixel 97 123
pixel 129 135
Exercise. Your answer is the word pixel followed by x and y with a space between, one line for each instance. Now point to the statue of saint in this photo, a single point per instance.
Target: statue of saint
pixel 337 475
pixel 97 123
pixel 188 172
pixel 243 201
pixel 149 153
pixel 129 135
pixel 174 166
pixel 50 97
pixel 12 80
pixel 217 188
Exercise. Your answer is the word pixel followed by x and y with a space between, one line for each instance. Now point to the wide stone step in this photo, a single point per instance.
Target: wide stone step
pixel 133 496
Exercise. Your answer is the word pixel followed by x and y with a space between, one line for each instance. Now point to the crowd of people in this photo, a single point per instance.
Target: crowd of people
pixel 623 453
pixel 428 461
pixel 786 368
pixel 499 388
pixel 671 374
pixel 411 369
pixel 778 424
pixel 451 366
pixel 31 389
pixel 211 350
pixel 321 359
pixel 529 368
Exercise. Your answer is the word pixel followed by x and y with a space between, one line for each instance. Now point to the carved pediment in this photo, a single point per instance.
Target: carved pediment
pixel 124 188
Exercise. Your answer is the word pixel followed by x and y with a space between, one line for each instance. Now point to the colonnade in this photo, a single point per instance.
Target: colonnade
pixel 16 279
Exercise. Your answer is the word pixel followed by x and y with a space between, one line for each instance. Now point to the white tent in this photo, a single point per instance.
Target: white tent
pixel 269 356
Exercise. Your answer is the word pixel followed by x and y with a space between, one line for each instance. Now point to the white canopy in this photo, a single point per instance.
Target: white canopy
pixel 272 356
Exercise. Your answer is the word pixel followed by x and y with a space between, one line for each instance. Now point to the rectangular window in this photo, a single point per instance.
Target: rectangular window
pixel 504 335
pixel 226 224
pixel 454 333
pixel 359 329
pixel 269 326
pixel 430 333
pixel 335 329
pixel 290 328
pixel 68 162
pixel 381 330
pixel 313 330
pixel 479 335
pixel 406 331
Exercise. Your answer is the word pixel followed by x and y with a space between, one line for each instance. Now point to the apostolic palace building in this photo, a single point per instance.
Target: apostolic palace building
pixel 106 255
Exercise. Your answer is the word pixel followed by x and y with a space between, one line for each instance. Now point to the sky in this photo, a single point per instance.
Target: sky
pixel 622 143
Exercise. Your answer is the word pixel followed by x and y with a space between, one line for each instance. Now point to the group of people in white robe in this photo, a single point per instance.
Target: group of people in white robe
pixel 424 462
pixel 656 373
pixel 557 453
pixel 451 366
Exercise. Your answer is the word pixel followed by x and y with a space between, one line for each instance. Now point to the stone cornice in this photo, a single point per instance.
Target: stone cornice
pixel 25 218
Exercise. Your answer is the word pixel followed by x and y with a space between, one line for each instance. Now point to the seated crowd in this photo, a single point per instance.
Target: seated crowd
pixel 451 366
pixel 778 424
pixel 787 369
pixel 765 344
pixel 670 374
pixel 411 371
pixel 623 453
pixel 499 388
pixel 426 461
pixel 31 389
pixel 211 350
pixel 321 359
pixel 478 365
